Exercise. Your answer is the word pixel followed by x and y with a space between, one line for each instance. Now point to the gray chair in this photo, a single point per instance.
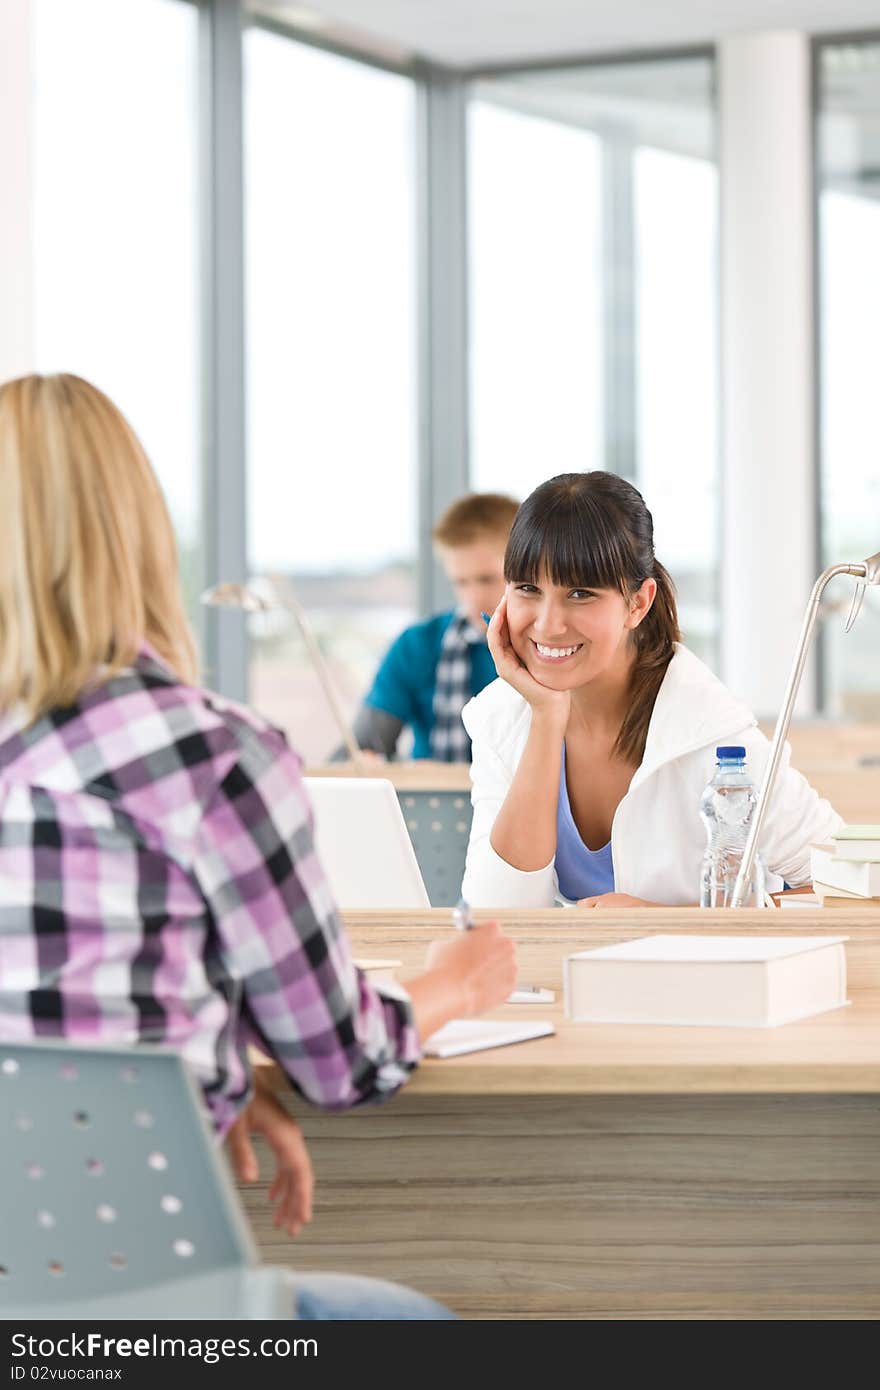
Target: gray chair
pixel 439 825
pixel 114 1198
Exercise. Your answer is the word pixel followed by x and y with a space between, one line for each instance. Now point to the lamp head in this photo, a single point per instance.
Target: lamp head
pixel 868 573
pixel 229 595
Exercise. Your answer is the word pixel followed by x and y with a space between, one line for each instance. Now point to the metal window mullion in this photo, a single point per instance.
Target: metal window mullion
pixel 618 291
pixel 222 339
pixel 442 314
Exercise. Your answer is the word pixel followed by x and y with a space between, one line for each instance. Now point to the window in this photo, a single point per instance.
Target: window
pixel 116 225
pixel 849 309
pixel 534 205
pixel 676 367
pixel 593 287
pixel 330 273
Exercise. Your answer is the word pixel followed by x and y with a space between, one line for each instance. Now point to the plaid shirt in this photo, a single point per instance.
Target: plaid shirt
pixel 158 883
pixel 452 690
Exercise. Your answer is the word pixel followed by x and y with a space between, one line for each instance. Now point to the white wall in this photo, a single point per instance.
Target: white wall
pixel 16 339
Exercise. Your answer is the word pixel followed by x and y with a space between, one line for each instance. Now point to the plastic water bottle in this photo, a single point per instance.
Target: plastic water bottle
pixel 726 809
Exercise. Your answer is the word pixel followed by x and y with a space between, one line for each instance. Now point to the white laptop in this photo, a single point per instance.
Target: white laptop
pixel 363 843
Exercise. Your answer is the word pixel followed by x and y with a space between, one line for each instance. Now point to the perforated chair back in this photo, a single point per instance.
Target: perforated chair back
pixel 114 1199
pixel 439 825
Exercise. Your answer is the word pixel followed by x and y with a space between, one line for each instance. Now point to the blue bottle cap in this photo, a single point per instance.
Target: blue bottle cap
pixel 730 751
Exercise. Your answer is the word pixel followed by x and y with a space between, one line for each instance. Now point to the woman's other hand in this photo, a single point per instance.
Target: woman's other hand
pixel 294 1182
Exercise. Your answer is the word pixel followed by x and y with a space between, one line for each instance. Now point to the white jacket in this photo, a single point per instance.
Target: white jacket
pixel 657 837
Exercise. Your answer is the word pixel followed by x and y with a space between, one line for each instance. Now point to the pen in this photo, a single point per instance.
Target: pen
pixel 461 916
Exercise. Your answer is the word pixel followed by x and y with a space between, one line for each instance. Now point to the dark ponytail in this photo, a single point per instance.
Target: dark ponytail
pixel 593 531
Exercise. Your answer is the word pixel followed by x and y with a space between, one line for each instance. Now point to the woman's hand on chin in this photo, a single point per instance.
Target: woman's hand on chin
pixel 615 900
pixel 509 667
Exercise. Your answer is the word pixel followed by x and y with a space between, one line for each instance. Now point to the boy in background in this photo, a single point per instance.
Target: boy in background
pixel 434 667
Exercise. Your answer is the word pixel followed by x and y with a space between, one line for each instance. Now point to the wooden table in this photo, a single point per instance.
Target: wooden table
pixel 854 791
pixel 421 774
pixel 830 745
pixel 816 746
pixel 616 1172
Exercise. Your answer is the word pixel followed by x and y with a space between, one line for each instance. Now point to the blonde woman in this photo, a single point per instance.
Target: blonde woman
pixel 159 879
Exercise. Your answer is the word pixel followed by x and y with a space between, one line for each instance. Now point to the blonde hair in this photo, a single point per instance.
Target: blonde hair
pixel 88 561
pixel 475 516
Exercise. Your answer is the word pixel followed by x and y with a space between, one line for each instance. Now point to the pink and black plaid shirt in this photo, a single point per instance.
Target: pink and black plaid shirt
pixel 158 883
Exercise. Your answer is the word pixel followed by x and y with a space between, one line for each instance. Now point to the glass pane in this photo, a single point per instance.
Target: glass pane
pixel 116 225
pixel 676 207
pixel 849 235
pixel 331 368
pixel 536 405
pixel 594 285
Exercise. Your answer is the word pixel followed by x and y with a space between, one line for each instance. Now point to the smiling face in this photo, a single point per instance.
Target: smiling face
pixel 568 637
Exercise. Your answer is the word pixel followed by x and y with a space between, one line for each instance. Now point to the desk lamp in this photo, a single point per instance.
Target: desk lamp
pixel 247 599
pixel 867 572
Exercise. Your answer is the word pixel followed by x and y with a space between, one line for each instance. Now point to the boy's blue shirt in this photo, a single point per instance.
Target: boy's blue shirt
pixel 406 680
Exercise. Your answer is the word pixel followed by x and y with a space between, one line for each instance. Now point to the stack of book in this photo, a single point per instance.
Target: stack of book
pixel 846 873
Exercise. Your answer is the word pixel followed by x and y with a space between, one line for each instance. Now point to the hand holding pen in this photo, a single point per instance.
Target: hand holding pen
pixel 522 994
pixel 479 961
pixel 461 916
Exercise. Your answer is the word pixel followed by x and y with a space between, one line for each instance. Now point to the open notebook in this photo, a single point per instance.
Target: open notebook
pixel 476 1034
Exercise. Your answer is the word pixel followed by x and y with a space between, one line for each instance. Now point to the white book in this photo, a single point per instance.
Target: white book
pixel 861 842
pixel 844 875
pixel 476 1034
pixel 731 981
pixel 826 890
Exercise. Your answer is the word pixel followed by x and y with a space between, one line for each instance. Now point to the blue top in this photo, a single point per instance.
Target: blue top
pixel 582 872
pixel 405 682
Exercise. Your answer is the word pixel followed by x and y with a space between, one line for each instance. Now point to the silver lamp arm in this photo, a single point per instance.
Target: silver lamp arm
pixel 242 596
pixel 867 572
pixel 289 600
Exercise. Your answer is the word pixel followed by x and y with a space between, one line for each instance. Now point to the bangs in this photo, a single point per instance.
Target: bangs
pixel 572 537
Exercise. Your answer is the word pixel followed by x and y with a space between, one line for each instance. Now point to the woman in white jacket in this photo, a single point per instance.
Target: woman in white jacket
pixel 591 751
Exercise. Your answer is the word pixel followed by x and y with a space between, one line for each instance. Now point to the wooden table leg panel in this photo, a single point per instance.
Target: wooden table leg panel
pixel 619 1206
